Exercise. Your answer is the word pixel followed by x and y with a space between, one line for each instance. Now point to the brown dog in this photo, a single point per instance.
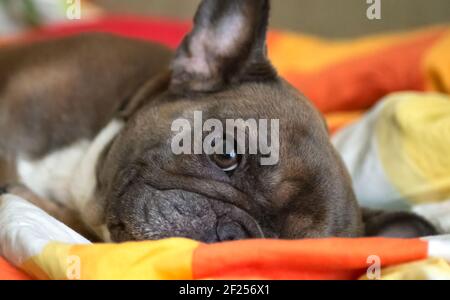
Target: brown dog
pixel 86 121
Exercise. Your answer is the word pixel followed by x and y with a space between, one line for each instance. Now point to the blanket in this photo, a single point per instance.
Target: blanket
pixel 47 249
pixel 396 154
pixel 398 158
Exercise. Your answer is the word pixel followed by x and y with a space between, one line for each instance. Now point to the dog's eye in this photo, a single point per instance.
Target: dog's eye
pixel 226 155
pixel 228 162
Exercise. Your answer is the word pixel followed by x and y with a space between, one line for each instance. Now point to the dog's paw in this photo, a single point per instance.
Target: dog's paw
pixel 15 189
pixel 3 190
pixel 397 224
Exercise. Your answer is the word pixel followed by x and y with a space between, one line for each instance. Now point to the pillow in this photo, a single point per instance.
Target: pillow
pixel 397 154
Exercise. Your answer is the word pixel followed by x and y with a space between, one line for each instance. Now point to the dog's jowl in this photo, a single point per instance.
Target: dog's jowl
pixel 87 121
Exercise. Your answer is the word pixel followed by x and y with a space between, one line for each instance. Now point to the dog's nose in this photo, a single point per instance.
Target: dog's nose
pixel 231 231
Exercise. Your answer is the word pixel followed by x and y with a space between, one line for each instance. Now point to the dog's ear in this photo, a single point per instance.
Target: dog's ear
pixel 227 45
pixel 396 224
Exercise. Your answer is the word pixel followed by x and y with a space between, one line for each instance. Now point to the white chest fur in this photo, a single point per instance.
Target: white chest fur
pixel 68 175
pixel 50 177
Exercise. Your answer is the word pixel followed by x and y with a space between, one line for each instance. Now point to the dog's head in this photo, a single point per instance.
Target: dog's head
pixel 291 184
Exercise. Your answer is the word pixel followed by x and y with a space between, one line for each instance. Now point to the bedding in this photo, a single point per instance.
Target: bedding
pixel 47 249
pixel 396 153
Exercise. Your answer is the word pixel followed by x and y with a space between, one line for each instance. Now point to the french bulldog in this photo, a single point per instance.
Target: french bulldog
pixel 85 127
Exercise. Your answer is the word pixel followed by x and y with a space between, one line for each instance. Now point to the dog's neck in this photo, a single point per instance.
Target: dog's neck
pixel 84 181
pixel 67 176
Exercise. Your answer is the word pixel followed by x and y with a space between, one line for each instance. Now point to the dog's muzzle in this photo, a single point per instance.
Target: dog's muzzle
pixel 154 214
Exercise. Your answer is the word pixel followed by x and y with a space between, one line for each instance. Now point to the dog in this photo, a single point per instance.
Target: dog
pixel 85 127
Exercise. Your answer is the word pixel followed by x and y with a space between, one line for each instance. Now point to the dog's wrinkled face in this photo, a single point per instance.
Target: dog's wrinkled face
pixel 146 191
pixel 156 194
pixel 221 70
